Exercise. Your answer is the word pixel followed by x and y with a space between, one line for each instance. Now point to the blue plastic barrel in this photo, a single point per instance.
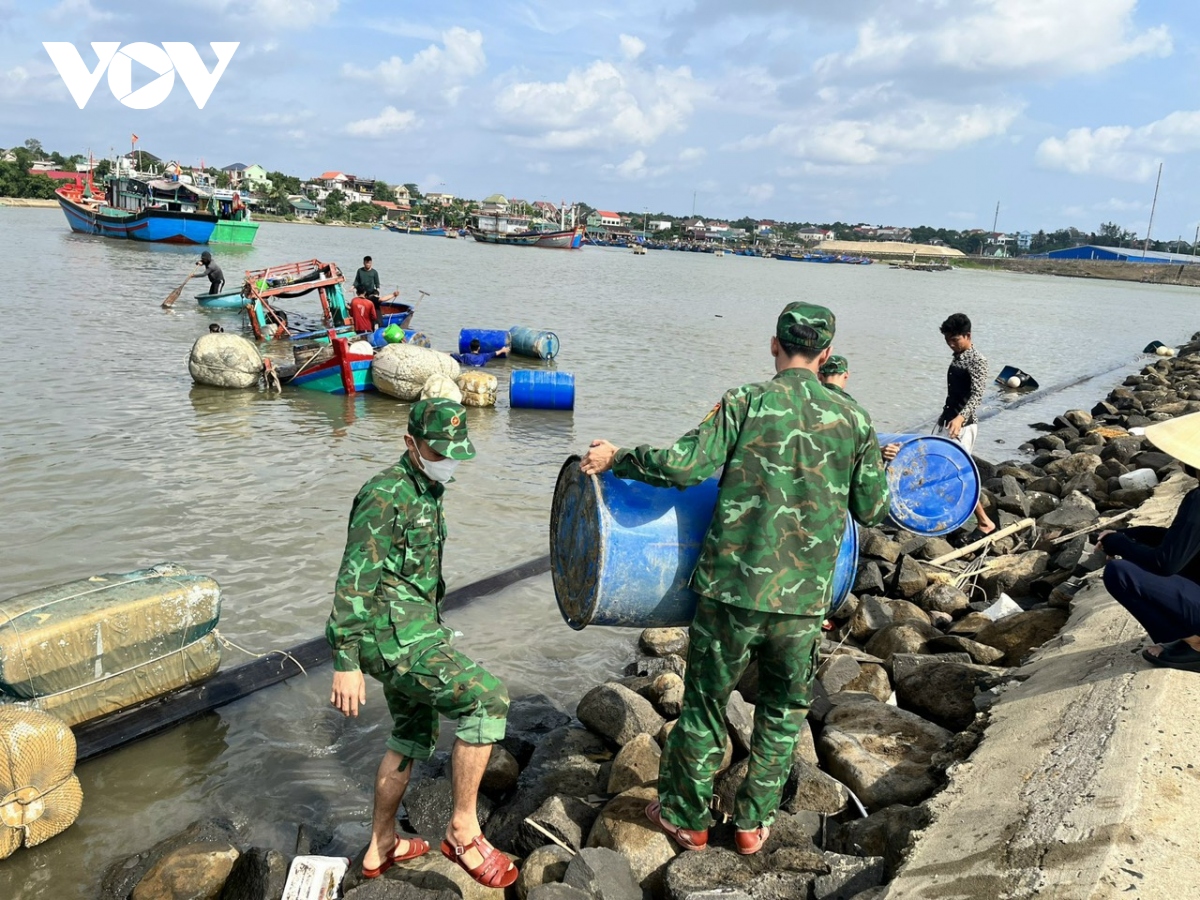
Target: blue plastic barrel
pixel 490 339
pixel 528 389
pixel 417 338
pixel 934 483
pixel 532 343
pixel 622 552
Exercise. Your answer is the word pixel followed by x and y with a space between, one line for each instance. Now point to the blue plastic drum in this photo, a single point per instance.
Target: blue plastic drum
pixel 490 340
pixel 529 389
pixel 934 483
pixel 532 343
pixel 622 552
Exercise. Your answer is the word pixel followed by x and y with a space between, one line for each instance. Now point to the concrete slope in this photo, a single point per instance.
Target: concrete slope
pixel 1087 782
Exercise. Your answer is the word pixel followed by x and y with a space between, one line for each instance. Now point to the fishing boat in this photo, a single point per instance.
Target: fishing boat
pixel 498 226
pixel 157 210
pixel 341 371
pixel 224 300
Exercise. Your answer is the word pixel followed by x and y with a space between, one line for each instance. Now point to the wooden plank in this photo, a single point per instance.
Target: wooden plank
pixel 102 735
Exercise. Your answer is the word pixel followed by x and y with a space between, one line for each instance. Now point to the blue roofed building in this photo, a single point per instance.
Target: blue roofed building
pixel 1119 254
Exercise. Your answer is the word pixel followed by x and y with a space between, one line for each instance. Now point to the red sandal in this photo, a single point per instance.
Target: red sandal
pixel 750 842
pixel 684 837
pixel 416 847
pixel 496 870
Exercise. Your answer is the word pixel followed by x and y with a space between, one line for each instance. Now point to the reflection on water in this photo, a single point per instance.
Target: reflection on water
pixel 111 459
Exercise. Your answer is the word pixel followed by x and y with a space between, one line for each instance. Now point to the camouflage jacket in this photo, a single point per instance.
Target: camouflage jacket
pixel 796 457
pixel 390 581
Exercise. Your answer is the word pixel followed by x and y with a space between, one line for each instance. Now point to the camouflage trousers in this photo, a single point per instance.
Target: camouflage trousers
pixel 724 639
pixel 437 680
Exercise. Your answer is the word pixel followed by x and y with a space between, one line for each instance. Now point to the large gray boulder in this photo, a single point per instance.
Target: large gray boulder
pixel 193 871
pixel 882 753
pixel 1021 633
pixel 622 826
pixel 604 874
pixel 635 765
pixel 543 866
pixel 944 692
pixel 618 714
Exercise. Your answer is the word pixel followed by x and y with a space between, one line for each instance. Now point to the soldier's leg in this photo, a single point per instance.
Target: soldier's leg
pixel 786 664
pixel 414 734
pixel 719 649
pixel 459 688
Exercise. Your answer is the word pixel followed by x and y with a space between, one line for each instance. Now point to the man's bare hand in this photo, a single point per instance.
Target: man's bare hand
pixel 349 692
pixel 955 427
pixel 599 458
pixel 890 451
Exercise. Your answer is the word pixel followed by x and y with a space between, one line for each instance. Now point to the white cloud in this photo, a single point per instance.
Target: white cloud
pixel 390 121
pixel 692 155
pixel 278 14
pixel 446 68
pixel 892 137
pixel 1122 151
pixel 78 11
pixel 760 193
pixel 1035 38
pixel 635 168
pixel 604 104
pixel 631 47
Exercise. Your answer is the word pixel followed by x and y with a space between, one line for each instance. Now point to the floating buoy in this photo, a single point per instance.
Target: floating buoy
pixel 401 370
pixel 1014 382
pixel 441 386
pixel 1012 378
pixel 478 388
pixel 40 795
pixel 1165 351
pixel 225 360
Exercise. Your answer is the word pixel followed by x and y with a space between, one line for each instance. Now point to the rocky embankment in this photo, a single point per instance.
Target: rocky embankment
pixel 1181 273
pixel 911 665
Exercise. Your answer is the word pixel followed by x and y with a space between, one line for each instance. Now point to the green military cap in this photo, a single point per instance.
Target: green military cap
pixel 442 424
pixel 837 365
pixel 818 318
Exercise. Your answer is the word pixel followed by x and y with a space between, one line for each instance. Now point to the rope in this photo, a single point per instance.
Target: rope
pixel 226 642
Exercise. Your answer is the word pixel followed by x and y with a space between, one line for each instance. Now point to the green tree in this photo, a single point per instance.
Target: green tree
pixel 290 184
pixel 383 191
pixel 223 180
pixel 334 208
pixel 102 169
pixel 34 146
pixel 414 194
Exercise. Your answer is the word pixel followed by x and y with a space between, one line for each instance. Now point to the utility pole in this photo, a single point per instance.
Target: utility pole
pixel 693 204
pixel 1153 204
pixel 1195 241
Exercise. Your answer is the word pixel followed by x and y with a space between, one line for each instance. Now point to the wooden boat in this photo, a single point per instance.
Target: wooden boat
pixel 340 371
pixel 158 210
pixel 86 214
pixel 264 286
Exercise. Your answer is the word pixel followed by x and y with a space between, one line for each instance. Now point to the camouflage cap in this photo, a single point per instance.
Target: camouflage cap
pixel 817 318
pixel 837 365
pixel 442 424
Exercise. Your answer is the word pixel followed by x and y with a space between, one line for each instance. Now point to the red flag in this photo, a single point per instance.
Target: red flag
pixel 133 138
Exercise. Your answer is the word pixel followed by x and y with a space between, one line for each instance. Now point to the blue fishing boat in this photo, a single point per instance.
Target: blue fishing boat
pixel 346 372
pixel 157 224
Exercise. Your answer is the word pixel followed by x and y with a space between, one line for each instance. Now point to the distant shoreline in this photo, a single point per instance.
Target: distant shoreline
pixel 27 201
pixel 1182 274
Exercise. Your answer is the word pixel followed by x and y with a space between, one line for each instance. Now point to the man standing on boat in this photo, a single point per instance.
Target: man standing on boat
pixel 796 457
pixel 366 281
pixel 216 278
pixel 386 622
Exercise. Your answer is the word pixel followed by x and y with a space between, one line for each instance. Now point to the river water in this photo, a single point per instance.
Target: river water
pixel 111 459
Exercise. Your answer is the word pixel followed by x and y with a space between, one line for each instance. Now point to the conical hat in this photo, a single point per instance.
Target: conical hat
pixel 1179 437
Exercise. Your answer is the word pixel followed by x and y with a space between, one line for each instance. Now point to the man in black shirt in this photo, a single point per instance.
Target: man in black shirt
pixel 966 379
pixel 366 282
pixel 216 278
pixel 1157 577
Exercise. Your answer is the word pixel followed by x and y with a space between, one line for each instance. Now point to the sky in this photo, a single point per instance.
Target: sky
pixel 926 112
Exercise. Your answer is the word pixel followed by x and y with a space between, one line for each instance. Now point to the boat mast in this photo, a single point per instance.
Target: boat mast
pixel 1153 204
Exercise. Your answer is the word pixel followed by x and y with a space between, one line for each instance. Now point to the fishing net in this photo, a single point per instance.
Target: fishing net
pixel 39 793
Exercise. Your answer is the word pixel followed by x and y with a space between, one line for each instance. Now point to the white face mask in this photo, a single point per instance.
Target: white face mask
pixel 441 470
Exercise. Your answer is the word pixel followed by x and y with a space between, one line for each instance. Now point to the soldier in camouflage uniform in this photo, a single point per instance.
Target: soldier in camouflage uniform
pixel 796 457
pixel 835 373
pixel 385 622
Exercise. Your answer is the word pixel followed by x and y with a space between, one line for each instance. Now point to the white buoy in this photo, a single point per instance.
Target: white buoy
pixel 1013 381
pixel 1165 351
pixel 225 360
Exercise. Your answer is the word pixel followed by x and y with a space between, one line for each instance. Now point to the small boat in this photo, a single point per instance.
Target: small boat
pixel 224 300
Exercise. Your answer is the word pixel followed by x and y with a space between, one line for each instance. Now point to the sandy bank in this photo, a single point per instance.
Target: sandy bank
pixel 26 201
